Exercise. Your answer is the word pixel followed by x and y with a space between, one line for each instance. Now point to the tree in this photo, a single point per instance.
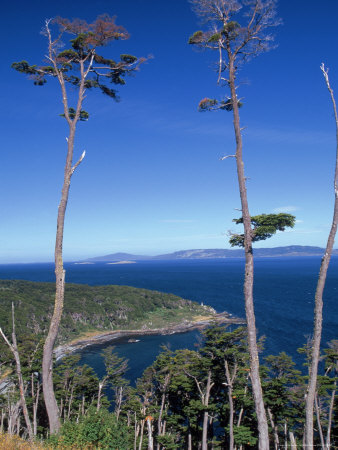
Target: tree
pixel 235 43
pixel 318 311
pixel 116 367
pixel 78 66
pixel 229 350
pixel 14 349
pixel 263 227
pixel 283 388
pixel 75 387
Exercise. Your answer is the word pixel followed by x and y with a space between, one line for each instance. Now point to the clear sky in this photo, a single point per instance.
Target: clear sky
pixel 152 180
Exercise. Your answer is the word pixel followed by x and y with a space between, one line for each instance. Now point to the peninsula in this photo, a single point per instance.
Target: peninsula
pixel 97 314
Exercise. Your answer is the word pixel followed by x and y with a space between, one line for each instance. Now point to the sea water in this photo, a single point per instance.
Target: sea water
pixel 284 291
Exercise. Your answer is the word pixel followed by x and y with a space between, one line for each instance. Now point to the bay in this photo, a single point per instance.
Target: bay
pixel 284 298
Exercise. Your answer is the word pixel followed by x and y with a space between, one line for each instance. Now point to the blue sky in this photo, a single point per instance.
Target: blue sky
pixel 152 181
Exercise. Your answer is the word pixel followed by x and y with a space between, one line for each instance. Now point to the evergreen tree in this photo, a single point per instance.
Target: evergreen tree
pixel 80 67
pixel 238 31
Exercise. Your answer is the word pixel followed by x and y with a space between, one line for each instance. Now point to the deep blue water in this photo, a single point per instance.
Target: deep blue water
pixel 284 298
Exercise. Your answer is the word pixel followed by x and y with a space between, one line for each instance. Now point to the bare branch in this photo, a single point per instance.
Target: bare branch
pixel 6 340
pixel 228 156
pixel 79 162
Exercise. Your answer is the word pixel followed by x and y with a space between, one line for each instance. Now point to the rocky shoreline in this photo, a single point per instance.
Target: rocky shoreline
pixel 183 327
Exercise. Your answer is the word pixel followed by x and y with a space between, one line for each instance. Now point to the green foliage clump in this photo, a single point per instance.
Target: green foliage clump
pixel 211 104
pixel 264 226
pixel 84 116
pixel 215 37
pixel 97 429
pixel 231 28
pixel 129 59
pixel 196 38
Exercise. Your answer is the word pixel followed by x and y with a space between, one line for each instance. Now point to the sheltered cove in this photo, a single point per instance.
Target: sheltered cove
pixel 183 327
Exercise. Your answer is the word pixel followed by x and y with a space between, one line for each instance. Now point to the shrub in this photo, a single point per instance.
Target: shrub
pixel 98 429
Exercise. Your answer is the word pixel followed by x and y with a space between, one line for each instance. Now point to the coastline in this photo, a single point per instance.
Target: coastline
pixel 183 327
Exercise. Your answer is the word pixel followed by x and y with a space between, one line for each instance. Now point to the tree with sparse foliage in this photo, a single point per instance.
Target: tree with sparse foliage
pixel 264 226
pixel 318 311
pixel 77 66
pixel 238 31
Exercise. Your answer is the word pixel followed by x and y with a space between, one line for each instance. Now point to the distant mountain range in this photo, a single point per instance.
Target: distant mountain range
pixel 292 250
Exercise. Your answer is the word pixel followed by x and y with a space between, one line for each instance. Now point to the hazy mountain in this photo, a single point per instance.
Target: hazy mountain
pixel 118 257
pixel 291 250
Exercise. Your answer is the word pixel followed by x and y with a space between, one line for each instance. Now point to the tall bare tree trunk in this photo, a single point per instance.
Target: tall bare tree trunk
pixel 206 414
pixel 141 434
pixel 35 399
pixel 136 431
pixel 249 271
pixel 328 432
pixel 47 361
pixel 275 430
pixel 230 380
pixel 318 312
pixel 150 434
pixel 319 423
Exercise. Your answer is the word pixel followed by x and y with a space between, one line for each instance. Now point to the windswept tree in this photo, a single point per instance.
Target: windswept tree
pixel 318 311
pixel 77 66
pixel 264 226
pixel 237 31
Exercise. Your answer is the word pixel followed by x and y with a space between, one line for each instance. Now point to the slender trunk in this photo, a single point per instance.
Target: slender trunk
pixel 83 406
pixel 18 425
pixel 99 395
pixel 141 435
pixel 135 433
pixel 318 312
pixel 189 441
pixel 159 421
pixel 328 433
pixel 319 422
pixel 70 402
pixel 231 419
pixel 292 441
pixel 35 408
pixel 249 272
pixel 231 403
pixel 47 360
pixel 14 349
pixel 206 414
pixel 119 397
pixel 150 435
pixel 2 421
pixel 275 430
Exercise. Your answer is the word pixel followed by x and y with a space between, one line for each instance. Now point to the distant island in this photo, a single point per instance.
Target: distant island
pixel 119 262
pixel 291 250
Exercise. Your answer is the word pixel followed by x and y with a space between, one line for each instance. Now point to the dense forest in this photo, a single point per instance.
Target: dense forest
pixel 91 309
pixel 184 399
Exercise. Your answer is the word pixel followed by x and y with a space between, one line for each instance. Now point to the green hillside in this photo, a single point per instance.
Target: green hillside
pixel 90 308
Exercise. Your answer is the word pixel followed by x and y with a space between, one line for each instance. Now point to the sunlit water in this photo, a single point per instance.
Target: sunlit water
pixel 284 298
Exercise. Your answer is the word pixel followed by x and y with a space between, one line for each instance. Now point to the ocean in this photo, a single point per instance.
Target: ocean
pixel 284 298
